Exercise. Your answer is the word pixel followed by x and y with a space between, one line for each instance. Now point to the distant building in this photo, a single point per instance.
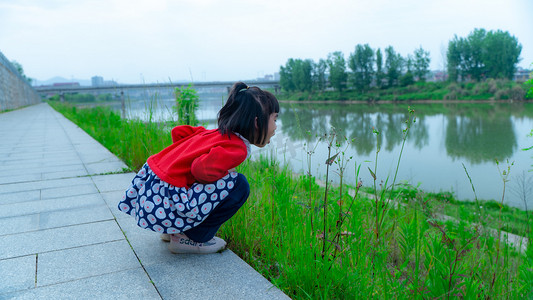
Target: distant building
pixel 521 74
pixel 97 81
pixel 109 83
pixel 437 75
pixel 268 77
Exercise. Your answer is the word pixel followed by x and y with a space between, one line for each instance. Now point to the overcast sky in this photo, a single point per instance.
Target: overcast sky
pixel 133 41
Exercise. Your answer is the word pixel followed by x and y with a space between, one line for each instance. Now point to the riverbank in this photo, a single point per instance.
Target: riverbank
pixel 404 101
pixel 489 90
pixel 322 242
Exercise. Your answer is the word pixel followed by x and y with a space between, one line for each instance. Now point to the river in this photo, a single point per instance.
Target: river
pixel 445 139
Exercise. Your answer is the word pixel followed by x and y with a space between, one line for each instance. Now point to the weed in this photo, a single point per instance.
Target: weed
pixel 187 105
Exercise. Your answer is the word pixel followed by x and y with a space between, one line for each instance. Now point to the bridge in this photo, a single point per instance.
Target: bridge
pixel 122 89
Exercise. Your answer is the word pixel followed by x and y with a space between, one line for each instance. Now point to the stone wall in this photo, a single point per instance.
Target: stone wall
pixel 15 91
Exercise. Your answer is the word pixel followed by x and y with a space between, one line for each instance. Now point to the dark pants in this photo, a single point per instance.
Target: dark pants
pixel 223 212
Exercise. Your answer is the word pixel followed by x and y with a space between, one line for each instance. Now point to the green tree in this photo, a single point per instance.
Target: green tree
pixel 302 74
pixel 473 54
pixel 337 70
pixel 407 78
pixel 502 52
pixel 296 75
pixel 361 62
pixel 380 75
pixel 393 66
pixel 483 55
pixel 421 64
pixel 319 75
pixel 453 56
pixel 286 76
pixel 465 57
pixel 20 70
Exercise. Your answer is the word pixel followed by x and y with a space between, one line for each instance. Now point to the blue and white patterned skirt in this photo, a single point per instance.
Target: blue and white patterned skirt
pixel 164 208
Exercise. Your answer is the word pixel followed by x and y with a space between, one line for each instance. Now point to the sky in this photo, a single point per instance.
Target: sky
pixel 149 41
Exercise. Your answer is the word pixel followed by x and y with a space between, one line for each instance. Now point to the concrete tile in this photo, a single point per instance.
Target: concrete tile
pixel 112 199
pixel 114 182
pixel 38 164
pixel 49 205
pixel 54 219
pixel 105 167
pixel 20 156
pixel 147 244
pixel 43 184
pixel 17 197
pixel 65 174
pixel 58 238
pixel 77 263
pixel 19 224
pixel 125 285
pixel 69 190
pixel 60 167
pixel 15 171
pixel 63 152
pixel 233 278
pixel 17 274
pixel 64 161
pixel 20 178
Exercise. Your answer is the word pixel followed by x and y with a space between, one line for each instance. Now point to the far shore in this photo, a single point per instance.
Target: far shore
pixel 402 101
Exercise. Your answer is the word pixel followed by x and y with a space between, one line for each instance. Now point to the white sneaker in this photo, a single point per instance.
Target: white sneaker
pixel 165 237
pixel 180 243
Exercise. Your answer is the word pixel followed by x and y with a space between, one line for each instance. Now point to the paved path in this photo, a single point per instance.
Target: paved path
pixel 62 237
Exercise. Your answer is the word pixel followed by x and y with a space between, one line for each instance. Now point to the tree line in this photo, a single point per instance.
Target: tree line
pixel 481 55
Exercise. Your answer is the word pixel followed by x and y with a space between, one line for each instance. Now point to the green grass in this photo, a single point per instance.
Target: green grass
pixel 315 242
pixel 133 141
pixel 416 256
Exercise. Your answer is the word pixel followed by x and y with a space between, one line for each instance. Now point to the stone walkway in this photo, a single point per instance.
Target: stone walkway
pixel 62 237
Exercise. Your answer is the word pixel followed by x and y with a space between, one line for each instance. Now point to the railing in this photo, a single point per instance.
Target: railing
pixel 49 90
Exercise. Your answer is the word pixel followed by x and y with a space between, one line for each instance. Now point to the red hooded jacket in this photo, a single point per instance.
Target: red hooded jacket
pixel 198 155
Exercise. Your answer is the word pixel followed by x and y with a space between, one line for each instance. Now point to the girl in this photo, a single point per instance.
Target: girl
pixel 189 189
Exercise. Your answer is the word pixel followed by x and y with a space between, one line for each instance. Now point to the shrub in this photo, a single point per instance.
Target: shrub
pixel 517 93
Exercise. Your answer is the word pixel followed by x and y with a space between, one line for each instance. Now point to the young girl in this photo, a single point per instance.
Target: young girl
pixel 189 189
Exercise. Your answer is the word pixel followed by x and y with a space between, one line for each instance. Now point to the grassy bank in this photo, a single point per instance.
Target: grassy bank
pixel 486 90
pixel 328 242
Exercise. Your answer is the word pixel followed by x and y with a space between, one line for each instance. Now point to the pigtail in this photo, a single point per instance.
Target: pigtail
pixel 238 87
pixel 247 112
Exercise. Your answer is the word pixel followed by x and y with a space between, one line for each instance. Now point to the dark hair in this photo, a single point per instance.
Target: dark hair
pixel 243 106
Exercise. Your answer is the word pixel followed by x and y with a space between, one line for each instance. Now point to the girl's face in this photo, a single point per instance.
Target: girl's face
pixel 271 129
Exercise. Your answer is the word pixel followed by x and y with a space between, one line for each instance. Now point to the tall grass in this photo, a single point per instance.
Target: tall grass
pixel 336 242
pixel 186 105
pixel 415 256
pixel 133 141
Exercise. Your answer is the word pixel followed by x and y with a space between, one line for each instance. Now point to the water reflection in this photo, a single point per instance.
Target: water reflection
pixel 480 138
pixel 477 135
